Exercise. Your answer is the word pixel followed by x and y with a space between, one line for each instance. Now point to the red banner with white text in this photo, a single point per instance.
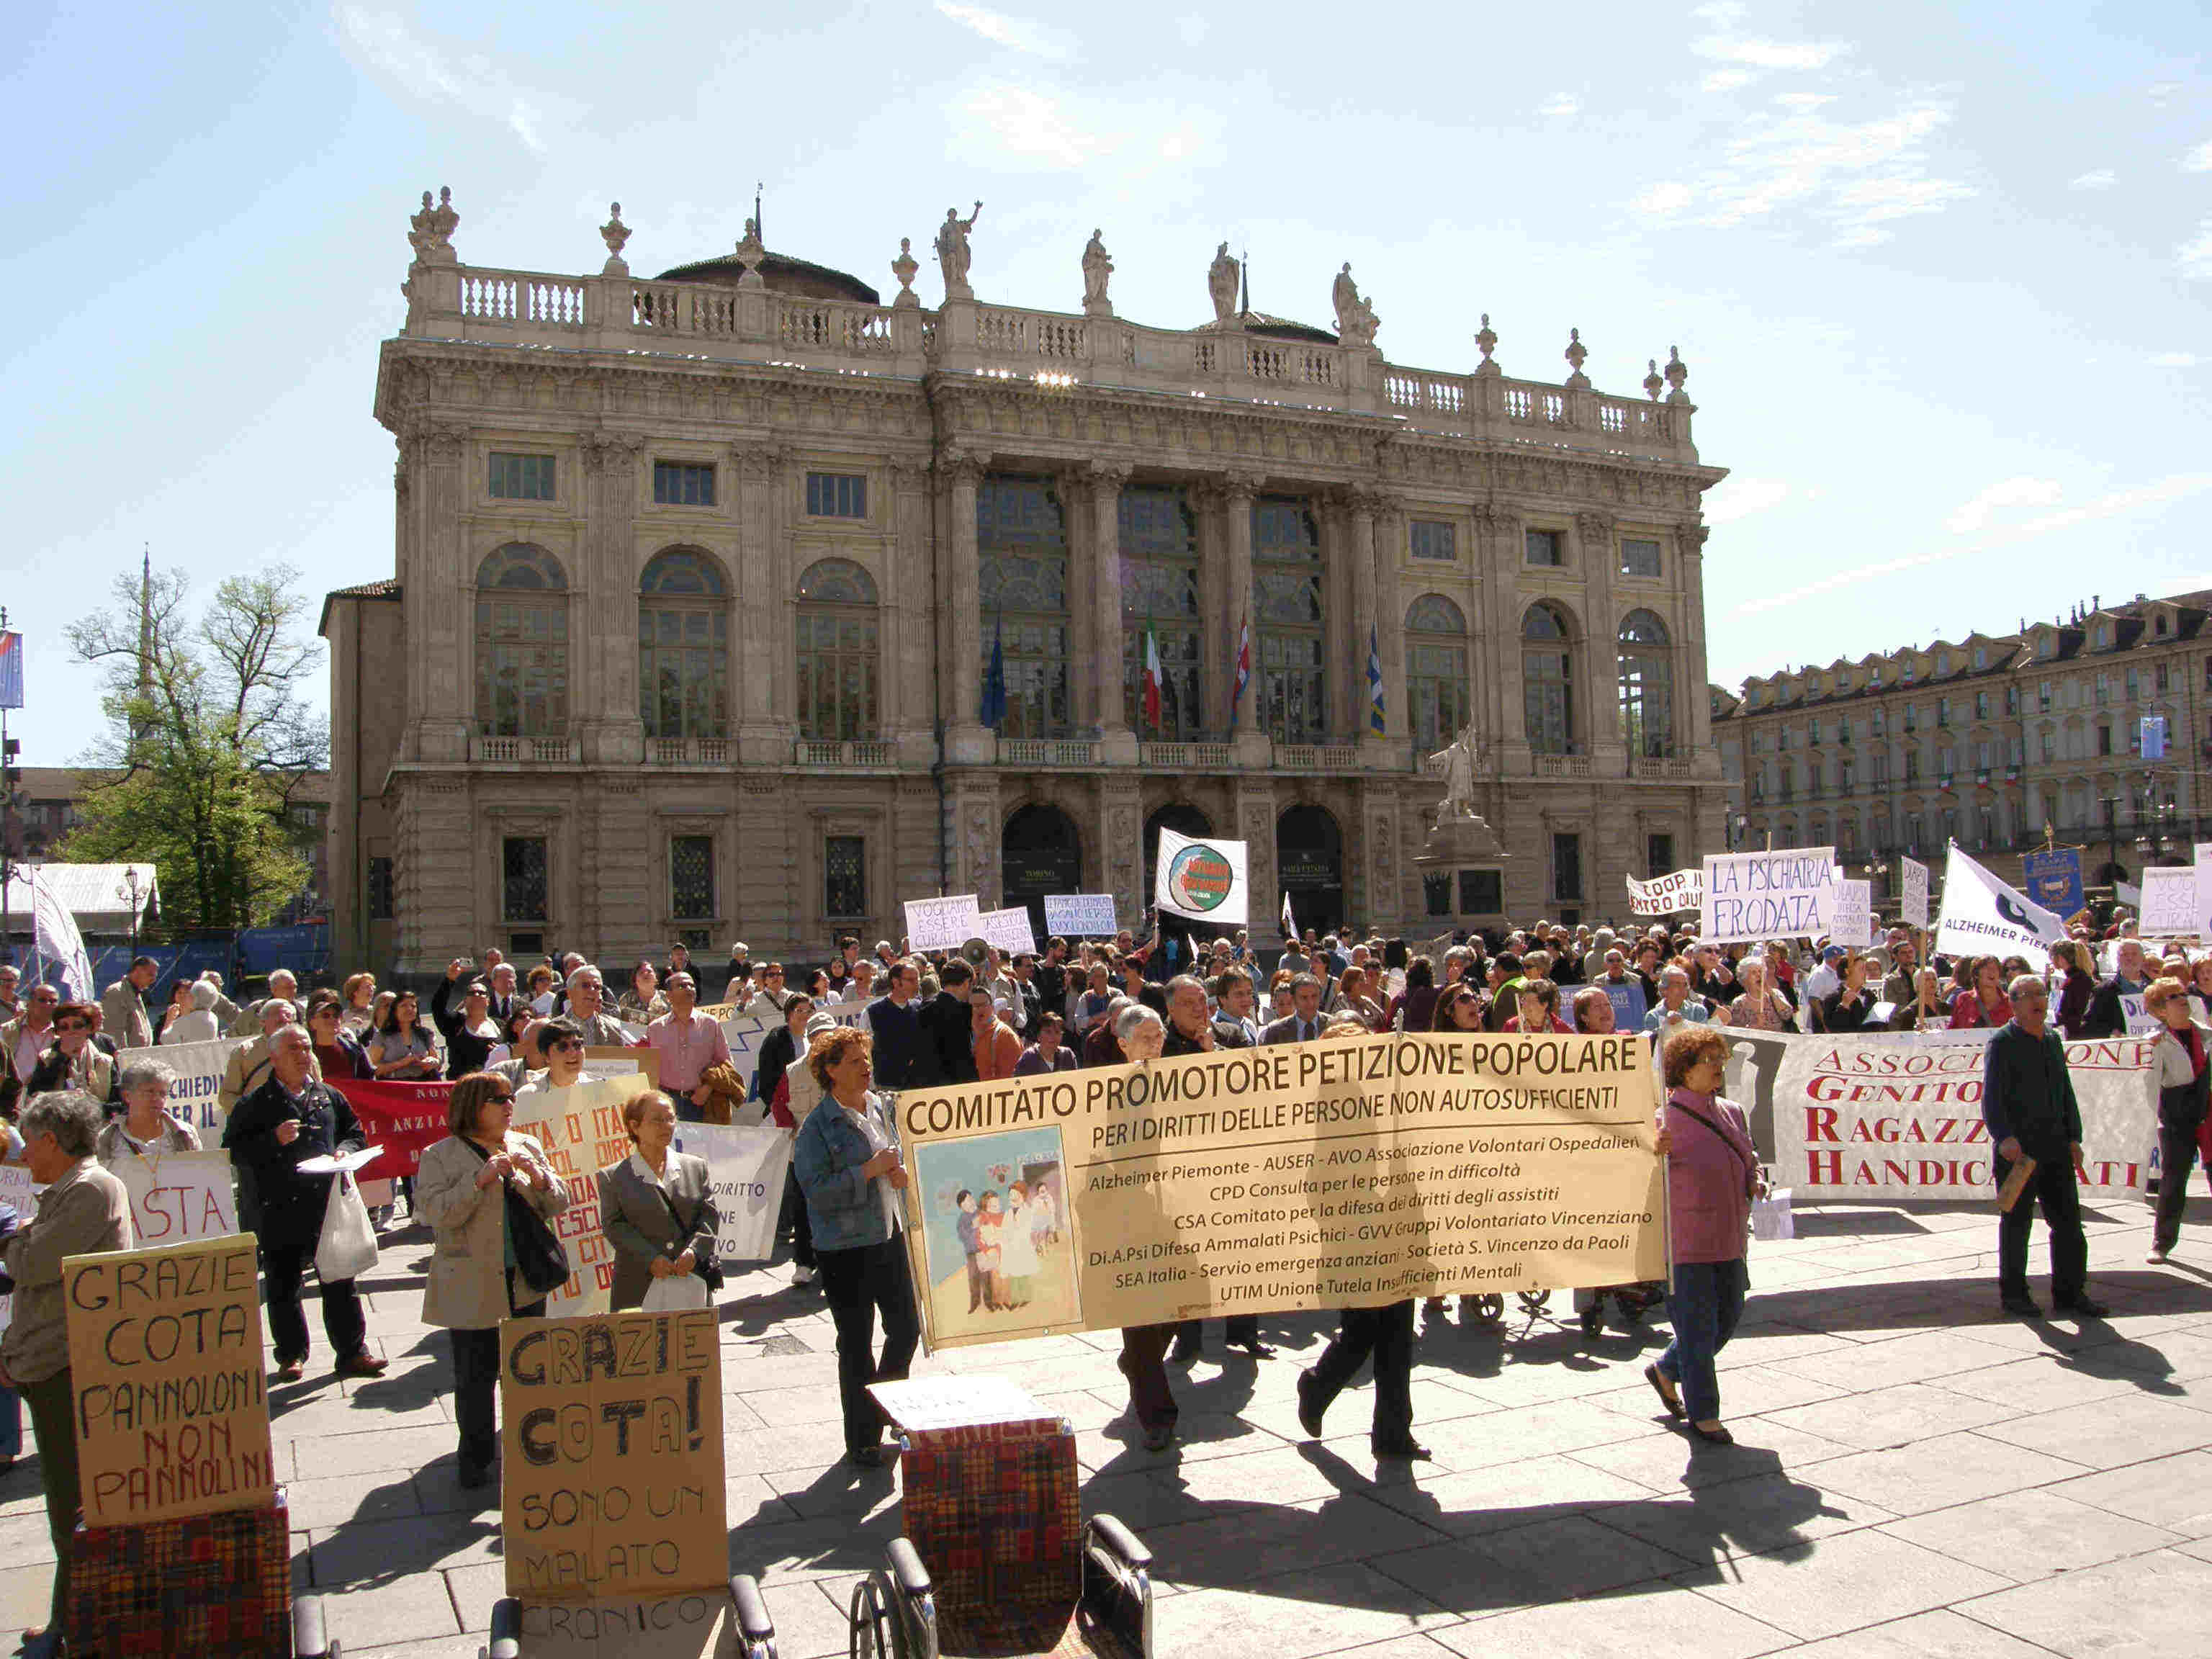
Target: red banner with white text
pixel 403 1118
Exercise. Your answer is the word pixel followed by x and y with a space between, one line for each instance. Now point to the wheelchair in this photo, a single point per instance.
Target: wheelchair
pixel 752 1634
pixel 996 1561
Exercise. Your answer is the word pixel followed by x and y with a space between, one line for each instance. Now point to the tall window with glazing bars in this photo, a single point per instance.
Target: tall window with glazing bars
pixel 1159 592
pixel 1021 542
pixel 1286 573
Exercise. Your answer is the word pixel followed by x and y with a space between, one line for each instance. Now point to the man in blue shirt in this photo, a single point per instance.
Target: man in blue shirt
pixel 896 1026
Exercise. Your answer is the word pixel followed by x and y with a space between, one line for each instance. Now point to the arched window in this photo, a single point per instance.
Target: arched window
pixel 522 644
pixel 1159 595
pixel 1436 672
pixel 1021 539
pixel 1286 573
pixel 1647 686
pixel 683 647
pixel 837 653
pixel 1547 681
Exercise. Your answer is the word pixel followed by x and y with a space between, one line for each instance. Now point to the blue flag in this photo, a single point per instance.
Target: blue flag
pixel 2154 737
pixel 11 670
pixel 994 711
pixel 1375 721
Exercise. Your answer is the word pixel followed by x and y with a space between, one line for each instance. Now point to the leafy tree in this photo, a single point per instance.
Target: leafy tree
pixel 207 743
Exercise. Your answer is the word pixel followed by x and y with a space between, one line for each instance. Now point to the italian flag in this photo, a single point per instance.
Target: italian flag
pixel 1151 678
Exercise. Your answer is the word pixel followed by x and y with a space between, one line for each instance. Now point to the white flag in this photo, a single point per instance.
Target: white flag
pixel 1289 927
pixel 1982 916
pixel 1202 880
pixel 58 941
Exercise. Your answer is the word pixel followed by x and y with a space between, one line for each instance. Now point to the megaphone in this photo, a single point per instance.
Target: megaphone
pixel 976 953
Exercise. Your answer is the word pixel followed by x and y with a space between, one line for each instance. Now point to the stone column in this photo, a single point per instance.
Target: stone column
pixel 1340 619
pixel 1120 842
pixel 908 660
pixel 1255 822
pixel 1694 725
pixel 1073 485
pixel 960 610
pixel 434 454
pixel 1240 612
pixel 1499 534
pixel 1216 665
pixel 764 645
pixel 611 731
pixel 1359 578
pixel 1105 479
pixel 1596 556
pixel 974 805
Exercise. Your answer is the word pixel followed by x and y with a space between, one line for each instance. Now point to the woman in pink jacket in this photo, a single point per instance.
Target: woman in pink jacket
pixel 1712 1174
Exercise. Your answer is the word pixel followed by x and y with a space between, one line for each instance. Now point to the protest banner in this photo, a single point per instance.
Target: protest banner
pixel 1349 1173
pixel 1852 924
pixel 581 1130
pixel 745 1035
pixel 1873 1117
pixel 1763 895
pixel 402 1118
pixel 18 1192
pixel 1203 880
pixel 176 1196
pixel 611 1467
pixel 1914 908
pixel 1982 916
pixel 942 924
pixel 614 1059
pixel 1666 896
pixel 197 1068
pixel 2053 878
pixel 745 1167
pixel 1075 916
pixel 171 1398
pixel 1628 1005
pixel 2170 905
pixel 1009 929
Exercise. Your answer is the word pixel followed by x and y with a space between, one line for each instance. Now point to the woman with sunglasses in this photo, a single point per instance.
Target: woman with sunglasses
pixel 561 1042
pixel 470 1032
pixel 75 1061
pixel 463 1190
pixel 1458 1009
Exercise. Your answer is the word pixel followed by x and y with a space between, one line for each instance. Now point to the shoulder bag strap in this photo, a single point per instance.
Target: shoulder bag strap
pixel 683 1230
pixel 1677 1106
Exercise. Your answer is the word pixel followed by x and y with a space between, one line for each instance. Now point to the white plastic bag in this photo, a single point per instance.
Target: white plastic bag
pixel 1770 1219
pixel 347 1247
pixel 674 1293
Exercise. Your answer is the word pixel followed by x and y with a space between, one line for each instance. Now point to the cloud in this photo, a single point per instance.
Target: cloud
pixel 1560 103
pixel 2195 256
pixel 1043 129
pixel 1859 176
pixel 1029 126
pixel 2012 492
pixel 385 43
pixel 1019 33
pixel 2198 160
pixel 1727 80
pixel 2162 492
pixel 2160 91
pixel 1194 27
pixel 1754 53
pixel 1738 497
pixel 2176 360
pixel 2102 178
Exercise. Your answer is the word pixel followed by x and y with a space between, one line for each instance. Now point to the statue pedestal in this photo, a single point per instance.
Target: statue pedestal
pixel 1463 853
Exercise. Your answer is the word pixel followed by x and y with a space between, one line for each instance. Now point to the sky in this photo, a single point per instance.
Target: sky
pixel 1940 275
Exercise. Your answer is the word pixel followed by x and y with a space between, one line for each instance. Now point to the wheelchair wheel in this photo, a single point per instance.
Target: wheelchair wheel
pixel 1485 1309
pixel 1533 1302
pixel 876 1634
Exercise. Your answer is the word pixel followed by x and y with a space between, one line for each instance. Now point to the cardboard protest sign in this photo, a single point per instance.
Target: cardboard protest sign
pixel 1203 880
pixel 175 1196
pixel 611 1472
pixel 615 1061
pixel 1347 1173
pixel 1915 905
pixel 581 1129
pixel 1080 915
pixel 693 1625
pixel 942 924
pixel 171 1404
pixel 1009 929
pixel 199 1068
pixel 745 1167
pixel 402 1118
pixel 2170 908
pixel 1852 923
pixel 1762 895
pixel 1666 896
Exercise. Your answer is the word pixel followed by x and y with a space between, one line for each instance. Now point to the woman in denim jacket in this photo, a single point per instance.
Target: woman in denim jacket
pixel 849 1169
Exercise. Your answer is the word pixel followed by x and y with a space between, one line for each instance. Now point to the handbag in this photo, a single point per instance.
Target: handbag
pixel 704 1267
pixel 346 1249
pixel 541 1260
pixel 674 1293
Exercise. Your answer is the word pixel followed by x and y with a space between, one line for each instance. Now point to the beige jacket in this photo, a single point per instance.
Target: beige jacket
pixel 467 1289
pixel 123 1019
pixel 85 1212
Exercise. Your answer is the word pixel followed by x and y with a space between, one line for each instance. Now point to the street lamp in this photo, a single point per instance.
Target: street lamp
pixel 128 890
pixel 1736 827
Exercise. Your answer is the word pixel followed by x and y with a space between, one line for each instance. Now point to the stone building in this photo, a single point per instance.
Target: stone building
pixel 737 602
pixel 1986 740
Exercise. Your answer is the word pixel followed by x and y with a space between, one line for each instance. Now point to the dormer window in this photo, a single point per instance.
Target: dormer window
pixel 2102 637
pixel 1981 656
pixel 2158 626
pixel 2045 644
pixel 1942 662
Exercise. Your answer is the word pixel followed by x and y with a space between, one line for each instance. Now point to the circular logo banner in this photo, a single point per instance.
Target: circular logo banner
pixel 1198 879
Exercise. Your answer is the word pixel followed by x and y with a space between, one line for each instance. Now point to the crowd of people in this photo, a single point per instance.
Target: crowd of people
pixel 72 1107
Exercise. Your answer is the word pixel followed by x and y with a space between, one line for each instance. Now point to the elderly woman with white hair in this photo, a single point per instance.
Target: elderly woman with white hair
pixel 147 1125
pixel 202 1025
pixel 1759 1006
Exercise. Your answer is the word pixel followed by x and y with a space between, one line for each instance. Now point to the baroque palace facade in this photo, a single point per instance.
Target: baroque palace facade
pixel 736 602
pixel 1988 740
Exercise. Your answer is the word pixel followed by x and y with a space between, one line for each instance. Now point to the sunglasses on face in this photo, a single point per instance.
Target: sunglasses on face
pixel 71 1025
pixel 503 1100
pixel 568 1043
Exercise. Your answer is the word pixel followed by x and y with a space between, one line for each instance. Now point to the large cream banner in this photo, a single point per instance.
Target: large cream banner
pixel 1300 1175
pixel 1872 1118
pixel 198 1069
pixel 582 1132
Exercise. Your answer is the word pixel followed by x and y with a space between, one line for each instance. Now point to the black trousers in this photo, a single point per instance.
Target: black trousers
pixel 284 1263
pixel 2053 1188
pixel 475 1386
pixel 795 1221
pixel 2177 1155
pixel 861 1282
pixel 1238 1330
pixel 1144 1362
pixel 1387 1334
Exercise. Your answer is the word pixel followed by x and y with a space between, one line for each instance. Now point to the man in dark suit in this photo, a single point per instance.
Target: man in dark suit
pixel 2107 1018
pixel 290 1118
pixel 1304 1023
pixel 2029 1104
pixel 1234 997
pixel 944 1053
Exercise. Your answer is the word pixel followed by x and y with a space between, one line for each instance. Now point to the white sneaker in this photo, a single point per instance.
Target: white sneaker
pixel 802 1276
